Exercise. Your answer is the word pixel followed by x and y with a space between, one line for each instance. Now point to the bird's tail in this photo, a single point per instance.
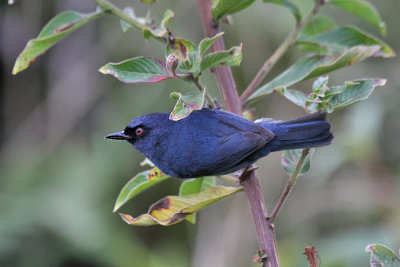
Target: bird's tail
pixel 304 132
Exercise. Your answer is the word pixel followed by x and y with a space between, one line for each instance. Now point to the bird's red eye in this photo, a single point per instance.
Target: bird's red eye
pixel 139 131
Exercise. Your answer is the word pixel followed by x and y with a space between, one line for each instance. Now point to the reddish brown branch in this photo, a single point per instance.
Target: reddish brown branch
pixel 264 229
pixel 224 75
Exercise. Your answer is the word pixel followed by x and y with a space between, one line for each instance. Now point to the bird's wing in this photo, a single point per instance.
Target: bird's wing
pixel 238 138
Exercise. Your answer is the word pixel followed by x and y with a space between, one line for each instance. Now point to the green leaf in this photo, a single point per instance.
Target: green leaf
pixel 343 38
pixel 331 99
pixel 293 96
pixel 162 30
pixel 285 3
pixel 290 158
pixel 313 66
pixel 186 104
pixel 186 52
pixel 206 43
pixel 363 10
pixel 194 186
pixel 173 209
pixel 138 184
pixel 318 24
pixel 56 29
pixel 138 70
pixel 382 256
pixel 131 13
pixel 351 92
pixel 222 8
pixel 231 57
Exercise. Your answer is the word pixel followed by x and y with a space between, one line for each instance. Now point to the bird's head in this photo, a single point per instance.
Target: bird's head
pixel 143 131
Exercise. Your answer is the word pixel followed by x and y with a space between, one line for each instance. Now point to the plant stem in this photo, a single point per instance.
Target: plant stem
pixel 198 84
pixel 279 52
pixel 223 74
pixel 289 185
pixel 111 8
pixel 264 229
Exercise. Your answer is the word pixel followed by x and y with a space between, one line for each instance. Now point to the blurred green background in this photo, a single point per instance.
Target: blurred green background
pixel 59 178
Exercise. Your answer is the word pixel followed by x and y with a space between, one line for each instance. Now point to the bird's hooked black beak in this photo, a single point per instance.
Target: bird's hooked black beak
pixel 117 136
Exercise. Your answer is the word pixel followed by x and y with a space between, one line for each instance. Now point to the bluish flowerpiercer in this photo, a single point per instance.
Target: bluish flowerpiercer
pixel 214 142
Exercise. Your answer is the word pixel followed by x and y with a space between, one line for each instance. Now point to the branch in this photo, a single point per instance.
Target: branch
pixel 111 8
pixel 289 185
pixel 224 75
pixel 279 52
pixel 264 229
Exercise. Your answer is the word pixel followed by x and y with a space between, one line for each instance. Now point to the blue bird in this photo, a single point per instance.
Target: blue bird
pixel 214 142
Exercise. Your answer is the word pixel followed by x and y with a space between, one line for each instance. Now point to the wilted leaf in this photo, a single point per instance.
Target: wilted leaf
pixel 231 57
pixel 249 114
pixel 186 53
pixel 194 186
pixel 363 10
pixel 222 8
pixel 138 70
pixel 312 256
pixel 173 209
pixel 155 174
pixel 206 43
pixel 312 66
pixel 186 104
pixel 343 38
pixel 56 29
pixel 382 256
pixel 149 32
pixel 293 8
pixel 138 184
pixel 125 26
pixel 290 158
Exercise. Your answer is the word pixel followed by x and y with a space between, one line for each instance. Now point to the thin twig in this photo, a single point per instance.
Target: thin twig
pixel 279 52
pixel 200 86
pixel 109 7
pixel 264 229
pixel 289 185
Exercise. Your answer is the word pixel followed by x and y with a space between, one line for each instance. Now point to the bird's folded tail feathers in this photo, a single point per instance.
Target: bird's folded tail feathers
pixel 311 130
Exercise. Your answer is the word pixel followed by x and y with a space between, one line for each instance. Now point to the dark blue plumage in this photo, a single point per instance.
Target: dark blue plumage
pixel 214 142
